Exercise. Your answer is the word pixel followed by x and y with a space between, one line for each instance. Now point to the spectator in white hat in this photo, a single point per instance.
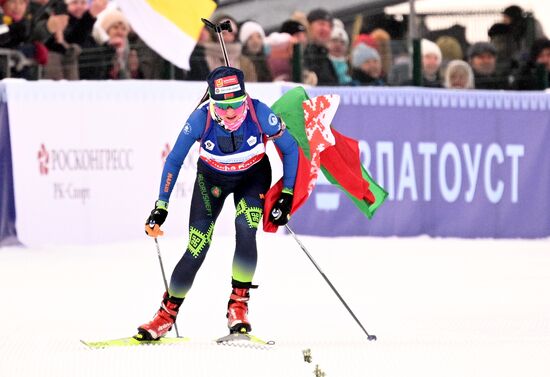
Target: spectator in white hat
pixel 458 75
pixel 111 49
pixel 431 62
pixel 252 37
pixel 338 53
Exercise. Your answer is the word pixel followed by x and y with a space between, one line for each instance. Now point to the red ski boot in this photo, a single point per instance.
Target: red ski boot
pixel 162 321
pixel 237 309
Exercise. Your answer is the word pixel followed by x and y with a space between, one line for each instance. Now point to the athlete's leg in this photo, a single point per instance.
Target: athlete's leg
pixel 249 200
pixel 206 204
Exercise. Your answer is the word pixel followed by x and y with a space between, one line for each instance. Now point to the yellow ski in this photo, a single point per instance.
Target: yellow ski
pixel 245 340
pixel 132 341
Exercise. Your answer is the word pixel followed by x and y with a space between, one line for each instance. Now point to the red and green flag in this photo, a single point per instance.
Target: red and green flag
pixel 322 148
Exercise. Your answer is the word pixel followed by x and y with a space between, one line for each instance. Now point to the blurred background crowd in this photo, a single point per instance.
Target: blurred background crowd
pixel 93 40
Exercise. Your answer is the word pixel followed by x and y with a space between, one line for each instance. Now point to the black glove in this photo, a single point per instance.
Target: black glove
pixel 156 219
pixel 280 213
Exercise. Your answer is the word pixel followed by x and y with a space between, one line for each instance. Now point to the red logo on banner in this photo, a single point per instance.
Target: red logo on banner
pixel 92 160
pixel 43 159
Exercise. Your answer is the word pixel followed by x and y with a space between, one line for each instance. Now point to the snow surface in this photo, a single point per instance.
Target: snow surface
pixel 439 307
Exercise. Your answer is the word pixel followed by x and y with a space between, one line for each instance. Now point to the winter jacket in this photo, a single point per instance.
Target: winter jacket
pixel 316 59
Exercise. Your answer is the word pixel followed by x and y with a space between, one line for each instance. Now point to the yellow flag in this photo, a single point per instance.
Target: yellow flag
pixel 170 27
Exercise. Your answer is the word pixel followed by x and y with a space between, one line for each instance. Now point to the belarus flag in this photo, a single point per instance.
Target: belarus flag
pixel 170 27
pixel 321 147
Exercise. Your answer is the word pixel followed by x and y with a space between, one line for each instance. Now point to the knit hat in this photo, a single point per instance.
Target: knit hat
pixel 429 47
pixel 112 17
pixel 336 22
pixel 366 39
pixel 292 27
pixel 340 34
pixel 319 14
pixel 481 48
pixel 361 53
pixel 249 28
pixel 225 83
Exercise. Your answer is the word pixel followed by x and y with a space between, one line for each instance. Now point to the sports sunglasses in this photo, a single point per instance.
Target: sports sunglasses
pixel 233 103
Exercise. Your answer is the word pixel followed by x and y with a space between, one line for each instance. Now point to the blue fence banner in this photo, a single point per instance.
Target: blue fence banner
pixel 455 164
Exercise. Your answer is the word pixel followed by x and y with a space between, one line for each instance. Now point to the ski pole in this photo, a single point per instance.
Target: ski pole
pixel 369 336
pixel 218 29
pixel 165 281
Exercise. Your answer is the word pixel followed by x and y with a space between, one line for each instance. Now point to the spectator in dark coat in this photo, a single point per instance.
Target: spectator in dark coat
pixel 296 30
pixel 64 48
pixel 482 57
pixel 16 26
pixel 48 19
pixel 316 53
pixel 507 55
pixel 527 78
pixel 516 19
pixel 22 51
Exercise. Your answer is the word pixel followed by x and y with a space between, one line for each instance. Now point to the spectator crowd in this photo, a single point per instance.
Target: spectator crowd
pixel 92 39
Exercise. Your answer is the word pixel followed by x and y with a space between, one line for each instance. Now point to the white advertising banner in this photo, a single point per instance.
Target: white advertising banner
pixel 88 156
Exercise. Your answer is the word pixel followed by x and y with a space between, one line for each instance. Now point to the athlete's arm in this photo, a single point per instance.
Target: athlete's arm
pixel 272 126
pixel 190 133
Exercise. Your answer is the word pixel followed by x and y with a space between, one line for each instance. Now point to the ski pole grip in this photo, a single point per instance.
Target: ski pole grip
pixel 208 23
pixel 276 213
pixel 226 25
